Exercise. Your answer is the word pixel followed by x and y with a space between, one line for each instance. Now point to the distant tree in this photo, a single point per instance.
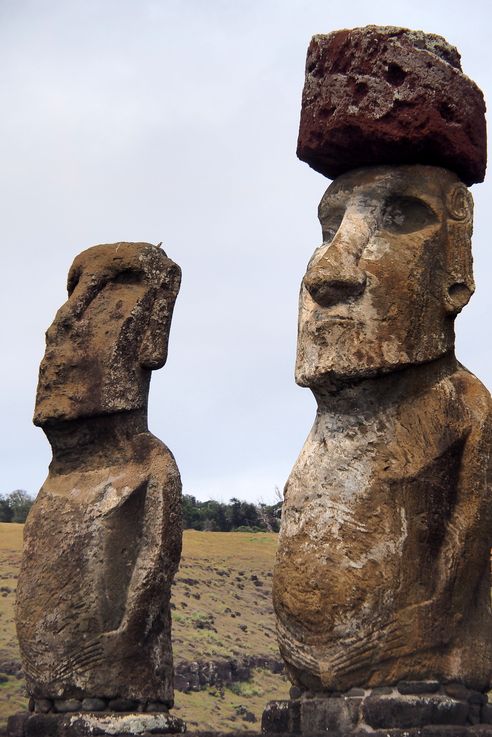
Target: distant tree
pixel 191 515
pixel 249 515
pixel 234 513
pixel 6 512
pixel 20 503
pixel 269 515
pixel 215 516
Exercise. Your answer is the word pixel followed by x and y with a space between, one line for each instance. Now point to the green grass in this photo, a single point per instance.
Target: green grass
pixel 222 709
pixel 247 689
pixel 221 608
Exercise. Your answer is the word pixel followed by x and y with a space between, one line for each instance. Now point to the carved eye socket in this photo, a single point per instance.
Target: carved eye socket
pixel 406 215
pixel 73 280
pixel 128 276
pixel 330 222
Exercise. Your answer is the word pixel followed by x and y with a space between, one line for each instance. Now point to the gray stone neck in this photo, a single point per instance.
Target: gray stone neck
pixel 91 442
pixel 373 394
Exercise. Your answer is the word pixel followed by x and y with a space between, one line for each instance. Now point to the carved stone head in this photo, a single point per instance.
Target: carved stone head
pixel 394 269
pixel 109 335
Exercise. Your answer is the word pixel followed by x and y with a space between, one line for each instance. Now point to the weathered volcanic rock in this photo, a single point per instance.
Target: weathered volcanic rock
pixel 425 715
pixel 103 539
pixel 88 725
pixel 382 572
pixel 385 95
pixel 109 335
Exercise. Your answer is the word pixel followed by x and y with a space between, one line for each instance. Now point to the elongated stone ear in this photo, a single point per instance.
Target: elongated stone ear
pixel 153 350
pixel 459 203
pixel 459 285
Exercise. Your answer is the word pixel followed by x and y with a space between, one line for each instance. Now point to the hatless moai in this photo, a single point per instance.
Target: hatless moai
pixel 382 572
pixel 103 540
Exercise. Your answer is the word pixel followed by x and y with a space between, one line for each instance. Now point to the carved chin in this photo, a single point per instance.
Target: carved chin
pixel 335 374
pixel 338 354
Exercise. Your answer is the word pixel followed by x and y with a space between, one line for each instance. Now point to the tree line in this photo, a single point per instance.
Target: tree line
pixel 14 507
pixel 211 515
pixel 235 515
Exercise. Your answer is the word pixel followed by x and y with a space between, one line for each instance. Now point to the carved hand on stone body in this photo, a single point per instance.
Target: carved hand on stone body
pixel 382 569
pixel 103 540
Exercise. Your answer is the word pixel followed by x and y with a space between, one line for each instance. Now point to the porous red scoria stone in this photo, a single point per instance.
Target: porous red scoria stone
pixel 386 95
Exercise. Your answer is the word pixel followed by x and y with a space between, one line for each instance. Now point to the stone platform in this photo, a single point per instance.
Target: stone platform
pixel 412 709
pixel 93 724
pixel 46 726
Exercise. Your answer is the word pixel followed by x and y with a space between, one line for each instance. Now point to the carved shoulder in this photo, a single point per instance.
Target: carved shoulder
pixel 476 404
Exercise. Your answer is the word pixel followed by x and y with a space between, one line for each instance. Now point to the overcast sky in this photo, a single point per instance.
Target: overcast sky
pixel 176 121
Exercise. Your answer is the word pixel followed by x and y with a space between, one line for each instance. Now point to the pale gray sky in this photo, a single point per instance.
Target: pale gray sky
pixel 176 121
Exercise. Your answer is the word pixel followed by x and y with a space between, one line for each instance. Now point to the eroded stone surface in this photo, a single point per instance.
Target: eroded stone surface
pixel 392 713
pixel 88 725
pixel 109 335
pixel 385 95
pixel 382 572
pixel 103 540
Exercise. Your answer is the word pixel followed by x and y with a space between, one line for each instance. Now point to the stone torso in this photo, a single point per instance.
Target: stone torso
pixel 370 539
pixel 97 592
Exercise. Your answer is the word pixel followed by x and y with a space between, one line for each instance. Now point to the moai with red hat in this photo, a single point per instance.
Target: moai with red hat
pixel 382 581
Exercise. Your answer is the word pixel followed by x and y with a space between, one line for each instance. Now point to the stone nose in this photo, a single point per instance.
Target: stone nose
pixel 336 277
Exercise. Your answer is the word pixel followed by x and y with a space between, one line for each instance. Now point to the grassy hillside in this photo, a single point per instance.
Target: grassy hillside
pixel 12 696
pixel 221 609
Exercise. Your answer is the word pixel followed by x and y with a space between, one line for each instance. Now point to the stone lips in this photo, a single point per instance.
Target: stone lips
pixel 386 95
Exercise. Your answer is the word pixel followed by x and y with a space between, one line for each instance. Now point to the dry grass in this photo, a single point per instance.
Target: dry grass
pixel 11 536
pixel 224 582
pixel 12 695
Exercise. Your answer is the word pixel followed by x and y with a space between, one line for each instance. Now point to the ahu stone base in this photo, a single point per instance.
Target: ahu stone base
pixel 412 709
pixel 95 724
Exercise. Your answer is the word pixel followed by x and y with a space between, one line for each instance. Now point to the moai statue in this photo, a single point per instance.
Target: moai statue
pixel 103 540
pixel 381 582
